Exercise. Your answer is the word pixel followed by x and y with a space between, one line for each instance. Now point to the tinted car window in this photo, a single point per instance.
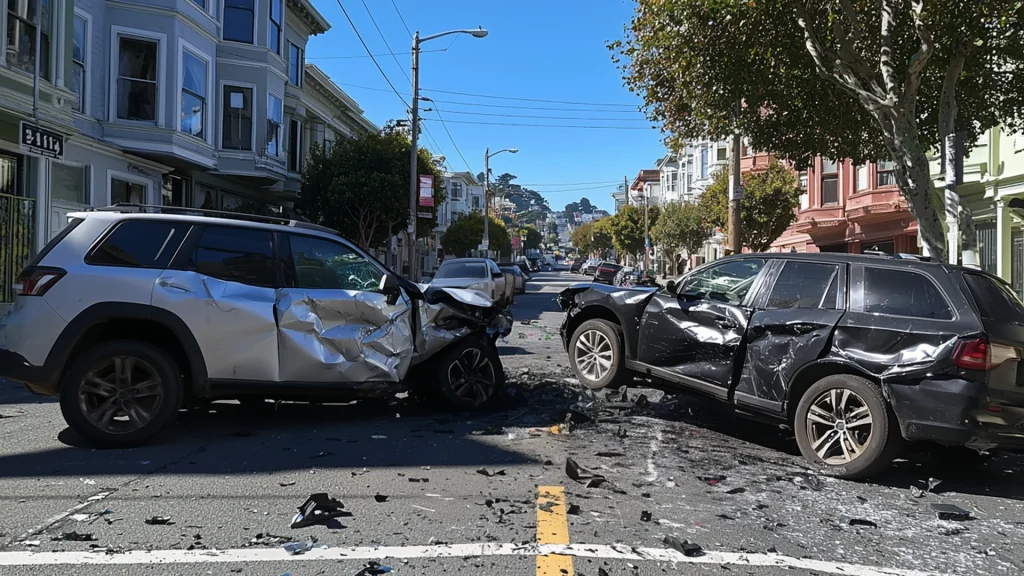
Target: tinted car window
pixel 322 264
pixel 903 293
pixel 139 244
pixel 241 255
pixel 805 285
pixel 727 282
pixel 462 270
pixel 995 299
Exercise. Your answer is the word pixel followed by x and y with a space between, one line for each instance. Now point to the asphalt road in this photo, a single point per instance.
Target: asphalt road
pixel 431 492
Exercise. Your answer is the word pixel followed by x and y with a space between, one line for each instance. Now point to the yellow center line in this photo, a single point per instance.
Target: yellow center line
pixel 552 528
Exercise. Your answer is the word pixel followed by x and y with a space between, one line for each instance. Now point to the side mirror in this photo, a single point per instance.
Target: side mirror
pixel 671 286
pixel 389 285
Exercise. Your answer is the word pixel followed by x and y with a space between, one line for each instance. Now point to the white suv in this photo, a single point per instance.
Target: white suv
pixel 132 310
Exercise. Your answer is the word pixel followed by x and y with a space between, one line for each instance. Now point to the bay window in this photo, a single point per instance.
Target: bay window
pixel 829 182
pixel 137 79
pixel 295 146
pixel 275 116
pixel 193 95
pixel 79 49
pixel 274 40
pixel 886 174
pixel 21 35
pixel 295 65
pixel 239 20
pixel 236 133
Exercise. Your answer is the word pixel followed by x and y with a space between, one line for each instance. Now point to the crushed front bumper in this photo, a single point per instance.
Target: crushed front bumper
pixel 958 412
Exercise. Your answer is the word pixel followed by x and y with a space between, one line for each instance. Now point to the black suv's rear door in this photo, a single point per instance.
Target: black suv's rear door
pixel 693 334
pixel 1002 315
pixel 791 326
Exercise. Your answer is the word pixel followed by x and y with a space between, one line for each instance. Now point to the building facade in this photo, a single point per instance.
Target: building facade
pixel 191 103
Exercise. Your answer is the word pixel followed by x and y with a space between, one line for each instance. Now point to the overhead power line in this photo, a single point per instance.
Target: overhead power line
pixel 584 127
pixel 464 161
pixel 548 108
pixel 526 99
pixel 367 48
pixel 545 117
pixel 503 105
pixel 386 45
pixel 609 182
pixel 400 17
pixel 371 55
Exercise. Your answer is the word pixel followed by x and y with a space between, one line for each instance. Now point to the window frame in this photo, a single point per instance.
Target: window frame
pixel 286 258
pixel 53 34
pixel 116 225
pixel 296 67
pixel 280 128
pixel 184 259
pixel 842 301
pixel 858 283
pixel 255 23
pixel 224 107
pixel 83 98
pixel 753 293
pixel 132 179
pixel 831 176
pixel 278 24
pixel 116 34
pixel 295 131
pixel 184 47
pixel 890 171
pixel 87 184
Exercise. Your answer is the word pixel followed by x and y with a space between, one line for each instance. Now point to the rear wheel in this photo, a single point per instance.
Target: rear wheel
pixel 470 374
pixel 596 354
pixel 121 393
pixel 845 427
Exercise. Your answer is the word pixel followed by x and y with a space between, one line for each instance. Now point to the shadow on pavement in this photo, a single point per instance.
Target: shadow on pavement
pixel 226 438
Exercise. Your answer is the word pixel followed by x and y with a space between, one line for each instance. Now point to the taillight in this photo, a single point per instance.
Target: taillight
pixel 37 280
pixel 980 354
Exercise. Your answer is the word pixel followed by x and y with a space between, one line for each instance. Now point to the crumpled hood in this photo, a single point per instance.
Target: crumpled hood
pixel 448 314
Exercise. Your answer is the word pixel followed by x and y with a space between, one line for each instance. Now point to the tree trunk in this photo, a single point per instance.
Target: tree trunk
pixel 915 183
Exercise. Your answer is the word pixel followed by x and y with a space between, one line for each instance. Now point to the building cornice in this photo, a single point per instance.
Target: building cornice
pixel 309 16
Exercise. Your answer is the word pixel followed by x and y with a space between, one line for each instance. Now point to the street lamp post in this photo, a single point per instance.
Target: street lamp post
pixel 487 194
pixel 413 136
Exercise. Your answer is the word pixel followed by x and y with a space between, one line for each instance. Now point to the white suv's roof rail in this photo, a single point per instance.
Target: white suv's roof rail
pixel 156 209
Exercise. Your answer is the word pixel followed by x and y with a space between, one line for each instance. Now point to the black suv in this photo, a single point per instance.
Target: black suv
pixel 856 353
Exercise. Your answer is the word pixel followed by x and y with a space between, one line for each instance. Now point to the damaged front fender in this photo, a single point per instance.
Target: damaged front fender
pixel 446 315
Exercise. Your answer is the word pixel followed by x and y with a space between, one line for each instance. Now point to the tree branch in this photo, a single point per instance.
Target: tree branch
pixel 917 64
pixel 848 48
pixel 840 72
pixel 892 87
pixel 947 100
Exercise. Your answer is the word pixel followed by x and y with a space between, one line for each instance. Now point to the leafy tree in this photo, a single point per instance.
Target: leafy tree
pixel 533 238
pixel 466 234
pixel 767 209
pixel 859 79
pixel 681 226
pixel 592 238
pixel 553 228
pixel 586 207
pixel 602 232
pixel 361 187
pixel 627 228
pixel 552 239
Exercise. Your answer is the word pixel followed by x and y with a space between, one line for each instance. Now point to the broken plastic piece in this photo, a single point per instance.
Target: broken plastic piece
pixel 74 537
pixel 295 548
pixel 159 521
pixel 688 549
pixel 380 498
pixel 574 509
pixel 490 473
pixel 951 512
pixel 373 567
pixel 736 491
pixel 862 522
pixel 317 509
pixel 291 483
pixel 917 492
pixel 645 516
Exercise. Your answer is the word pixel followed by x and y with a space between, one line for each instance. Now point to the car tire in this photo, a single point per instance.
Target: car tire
pixel 470 375
pixel 121 379
pixel 602 341
pixel 825 438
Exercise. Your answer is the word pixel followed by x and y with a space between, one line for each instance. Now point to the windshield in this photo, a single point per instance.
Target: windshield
pixel 462 270
pixel 995 299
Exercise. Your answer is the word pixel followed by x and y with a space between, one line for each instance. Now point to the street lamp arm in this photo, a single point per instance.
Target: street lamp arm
pixel 512 150
pixel 479 33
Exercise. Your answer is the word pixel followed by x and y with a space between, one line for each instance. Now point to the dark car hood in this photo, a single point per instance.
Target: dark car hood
pixel 595 291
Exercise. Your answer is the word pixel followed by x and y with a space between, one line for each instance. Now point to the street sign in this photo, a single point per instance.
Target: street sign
pixel 424 214
pixel 426 190
pixel 737 193
pixel 41 142
pixel 515 242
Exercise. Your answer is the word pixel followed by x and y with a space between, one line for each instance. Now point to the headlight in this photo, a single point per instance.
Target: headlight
pixel 479 286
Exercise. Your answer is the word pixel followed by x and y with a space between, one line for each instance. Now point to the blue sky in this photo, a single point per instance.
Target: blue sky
pixel 543 50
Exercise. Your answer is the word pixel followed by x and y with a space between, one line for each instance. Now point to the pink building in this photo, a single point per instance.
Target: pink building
pixel 847 208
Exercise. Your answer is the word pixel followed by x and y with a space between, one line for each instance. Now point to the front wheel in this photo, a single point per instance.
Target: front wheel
pixel 596 354
pixel 121 393
pixel 846 428
pixel 470 374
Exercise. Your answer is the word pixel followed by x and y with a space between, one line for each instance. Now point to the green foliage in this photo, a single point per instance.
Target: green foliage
pixel 627 228
pixel 592 238
pixel 533 238
pixel 361 187
pixel 465 235
pixel 767 209
pixel 859 79
pixel 681 226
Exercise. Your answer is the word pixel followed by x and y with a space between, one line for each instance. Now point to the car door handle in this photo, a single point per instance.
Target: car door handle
pixel 169 284
pixel 726 324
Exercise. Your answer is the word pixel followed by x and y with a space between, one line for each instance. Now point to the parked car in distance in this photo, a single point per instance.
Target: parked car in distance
pixel 132 311
pixel 517 272
pixel 606 272
pixel 858 354
pixel 575 267
pixel 590 267
pixel 480 274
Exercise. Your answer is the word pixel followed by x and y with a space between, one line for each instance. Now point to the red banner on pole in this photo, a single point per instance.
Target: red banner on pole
pixel 426 190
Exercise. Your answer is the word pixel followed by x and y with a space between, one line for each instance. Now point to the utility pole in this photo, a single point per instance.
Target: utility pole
pixel 487 202
pixel 647 233
pixel 414 179
pixel 625 188
pixel 735 193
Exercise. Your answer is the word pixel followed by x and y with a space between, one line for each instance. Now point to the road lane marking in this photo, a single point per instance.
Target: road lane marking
pixel 51 521
pixel 552 528
pixel 597 551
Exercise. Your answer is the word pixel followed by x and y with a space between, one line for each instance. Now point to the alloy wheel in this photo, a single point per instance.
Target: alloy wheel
pixel 121 394
pixel 472 376
pixel 594 355
pixel 839 426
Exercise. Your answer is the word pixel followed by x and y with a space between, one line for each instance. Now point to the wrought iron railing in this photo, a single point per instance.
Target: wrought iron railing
pixel 17 223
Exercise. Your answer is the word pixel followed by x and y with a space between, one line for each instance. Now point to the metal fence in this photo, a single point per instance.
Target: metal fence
pixel 17 223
